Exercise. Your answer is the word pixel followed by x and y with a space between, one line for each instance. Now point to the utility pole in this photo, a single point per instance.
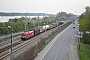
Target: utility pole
pixel 75 12
pixel 25 25
pixel 38 20
pixel 79 42
pixel 47 19
pixel 75 15
pixel 11 39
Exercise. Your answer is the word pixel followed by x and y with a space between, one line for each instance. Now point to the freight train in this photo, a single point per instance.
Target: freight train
pixel 30 33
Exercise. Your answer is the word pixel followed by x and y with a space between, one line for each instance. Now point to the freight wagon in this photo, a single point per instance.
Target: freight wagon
pixel 36 31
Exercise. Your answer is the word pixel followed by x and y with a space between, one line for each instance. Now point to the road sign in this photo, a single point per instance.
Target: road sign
pixel 75 33
pixel 78 34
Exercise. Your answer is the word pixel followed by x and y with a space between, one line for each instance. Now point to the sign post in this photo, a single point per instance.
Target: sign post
pixel 79 42
pixel 78 34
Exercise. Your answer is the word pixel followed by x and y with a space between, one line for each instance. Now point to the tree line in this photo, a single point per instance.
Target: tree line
pixel 20 24
pixel 85 24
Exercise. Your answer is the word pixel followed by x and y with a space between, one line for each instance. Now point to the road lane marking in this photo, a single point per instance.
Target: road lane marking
pixel 61 45
pixel 70 44
pixel 54 41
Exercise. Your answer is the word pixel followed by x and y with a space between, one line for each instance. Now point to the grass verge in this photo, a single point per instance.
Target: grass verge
pixel 84 52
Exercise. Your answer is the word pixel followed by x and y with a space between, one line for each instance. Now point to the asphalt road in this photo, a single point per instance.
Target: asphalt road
pixel 58 48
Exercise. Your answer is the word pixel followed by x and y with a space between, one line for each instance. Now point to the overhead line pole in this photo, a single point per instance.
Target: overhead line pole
pixel 38 20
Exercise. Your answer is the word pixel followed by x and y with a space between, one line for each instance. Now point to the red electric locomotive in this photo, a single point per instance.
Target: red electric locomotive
pixel 27 34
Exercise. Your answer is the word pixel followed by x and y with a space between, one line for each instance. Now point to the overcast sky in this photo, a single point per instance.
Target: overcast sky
pixel 44 6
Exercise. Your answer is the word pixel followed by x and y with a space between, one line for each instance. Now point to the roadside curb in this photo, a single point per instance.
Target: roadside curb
pixel 70 53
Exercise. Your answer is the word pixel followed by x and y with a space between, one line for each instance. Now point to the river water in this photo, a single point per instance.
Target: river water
pixel 6 18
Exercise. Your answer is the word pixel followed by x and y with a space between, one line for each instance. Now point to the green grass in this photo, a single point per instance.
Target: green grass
pixel 20 56
pixel 84 52
pixel 49 39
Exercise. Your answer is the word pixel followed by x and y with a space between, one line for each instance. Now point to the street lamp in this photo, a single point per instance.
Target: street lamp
pixel 11 36
pixel 11 39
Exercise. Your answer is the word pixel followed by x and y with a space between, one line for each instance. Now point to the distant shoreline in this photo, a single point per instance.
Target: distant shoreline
pixel 6 18
pixel 24 14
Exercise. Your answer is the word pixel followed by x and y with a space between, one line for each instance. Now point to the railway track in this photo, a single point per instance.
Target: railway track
pixel 8 47
pixel 7 43
pixel 17 46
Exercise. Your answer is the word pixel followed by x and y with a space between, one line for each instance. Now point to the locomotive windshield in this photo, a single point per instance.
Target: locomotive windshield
pixel 23 34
